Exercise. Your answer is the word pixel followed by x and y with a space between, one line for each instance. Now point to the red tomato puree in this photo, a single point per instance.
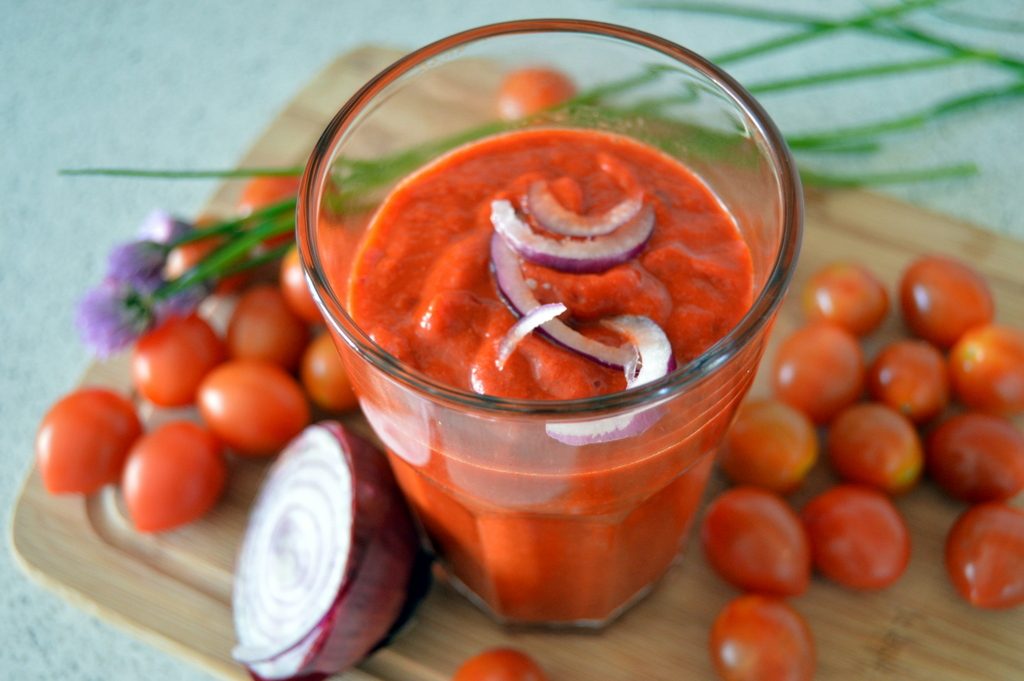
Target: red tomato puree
pixel 421 286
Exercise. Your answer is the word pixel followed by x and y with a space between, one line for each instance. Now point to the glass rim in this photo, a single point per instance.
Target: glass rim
pixel 724 349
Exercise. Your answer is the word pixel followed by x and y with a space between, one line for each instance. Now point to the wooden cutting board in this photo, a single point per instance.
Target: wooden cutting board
pixel 174 589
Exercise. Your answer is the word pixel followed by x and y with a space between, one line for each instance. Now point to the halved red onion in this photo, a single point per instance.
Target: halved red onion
pixel 326 561
pixel 517 293
pixel 573 255
pixel 524 326
pixel 554 217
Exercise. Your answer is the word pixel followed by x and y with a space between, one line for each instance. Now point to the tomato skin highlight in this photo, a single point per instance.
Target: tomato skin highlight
pixel 170 361
pixel 530 90
pixel 911 377
pixel 769 445
pixel 325 378
pixel 943 298
pixel 756 542
pixel 977 457
pixel 819 370
pixel 84 439
pixel 848 295
pixel 296 293
pixel 987 369
pixel 858 537
pixel 500 664
pixel 262 327
pixel 254 407
pixel 174 475
pixel 985 555
pixel 871 444
pixel 758 638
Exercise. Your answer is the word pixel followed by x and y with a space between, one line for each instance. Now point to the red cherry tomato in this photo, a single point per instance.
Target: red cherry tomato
pixel 500 664
pixel 858 538
pixel 985 555
pixel 987 369
pixel 872 444
pixel 911 377
pixel 254 407
pixel 847 295
pixel 819 369
pixel 260 192
pixel 170 361
pixel 977 457
pixel 757 638
pixel 942 298
pixel 755 541
pixel 296 292
pixel 174 475
pixel 528 91
pixel 183 258
pixel 84 439
pixel 770 445
pixel 262 327
pixel 325 378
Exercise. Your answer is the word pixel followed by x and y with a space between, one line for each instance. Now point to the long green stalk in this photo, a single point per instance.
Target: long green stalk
pixel 185 174
pixel 816 179
pixel 842 75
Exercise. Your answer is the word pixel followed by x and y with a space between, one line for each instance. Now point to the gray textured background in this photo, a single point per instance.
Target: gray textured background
pixel 190 83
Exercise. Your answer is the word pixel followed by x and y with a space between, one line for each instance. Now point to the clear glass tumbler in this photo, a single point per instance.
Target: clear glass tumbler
pixel 530 528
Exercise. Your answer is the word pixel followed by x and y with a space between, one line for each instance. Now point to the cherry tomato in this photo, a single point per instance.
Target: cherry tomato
pixel 254 407
pixel 977 457
pixel 985 555
pixel 871 444
pixel 819 369
pixel 183 258
pixel 987 369
pixel 84 439
pixel 296 292
pixel 260 192
pixel 942 298
pixel 758 638
pixel 527 91
pixel 847 295
pixel 858 538
pixel 770 445
pixel 325 378
pixel 263 327
pixel 170 361
pixel 500 664
pixel 755 541
pixel 174 475
pixel 911 377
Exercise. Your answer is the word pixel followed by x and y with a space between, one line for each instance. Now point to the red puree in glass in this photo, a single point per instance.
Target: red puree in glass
pixel 421 286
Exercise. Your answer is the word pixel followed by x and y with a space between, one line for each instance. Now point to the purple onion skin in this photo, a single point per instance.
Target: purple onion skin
pixel 582 265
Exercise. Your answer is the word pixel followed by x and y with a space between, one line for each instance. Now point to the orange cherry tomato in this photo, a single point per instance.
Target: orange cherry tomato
pixel 263 327
pixel 755 541
pixel 254 407
pixel 260 192
pixel 911 377
pixel 847 295
pixel 174 475
pixel 770 445
pixel 819 369
pixel 858 538
pixel 528 91
pixel 758 638
pixel 987 369
pixel 296 292
pixel 942 298
pixel 977 457
pixel 84 439
pixel 500 664
pixel 183 258
pixel 170 361
pixel 985 555
pixel 874 445
pixel 325 378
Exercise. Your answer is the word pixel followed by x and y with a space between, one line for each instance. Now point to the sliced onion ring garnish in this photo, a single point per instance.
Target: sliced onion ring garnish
pixel 524 326
pixel 554 217
pixel 654 351
pixel 513 288
pixel 573 255
pixel 608 429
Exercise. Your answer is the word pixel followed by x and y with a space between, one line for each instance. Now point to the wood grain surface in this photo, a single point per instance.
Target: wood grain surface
pixel 174 589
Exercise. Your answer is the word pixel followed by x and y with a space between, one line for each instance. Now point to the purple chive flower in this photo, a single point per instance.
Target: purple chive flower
pixel 111 316
pixel 139 264
pixel 163 228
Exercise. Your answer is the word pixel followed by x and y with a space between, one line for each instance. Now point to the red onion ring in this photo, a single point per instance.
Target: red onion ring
pixel 554 217
pixel 524 326
pixel 573 255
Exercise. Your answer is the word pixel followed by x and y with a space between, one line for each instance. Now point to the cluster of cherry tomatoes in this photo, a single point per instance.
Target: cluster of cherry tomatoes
pixel 252 387
pixel 928 412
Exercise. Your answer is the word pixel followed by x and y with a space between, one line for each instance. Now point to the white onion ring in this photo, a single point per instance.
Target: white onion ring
pixel 523 327
pixel 654 350
pixel 554 217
